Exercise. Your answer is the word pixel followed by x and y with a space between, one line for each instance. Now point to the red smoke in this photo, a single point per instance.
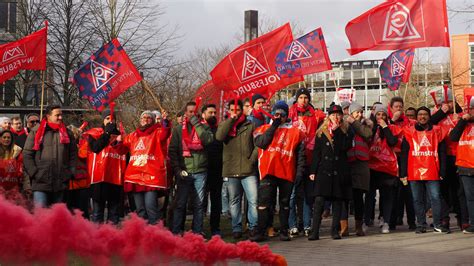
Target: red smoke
pixel 55 235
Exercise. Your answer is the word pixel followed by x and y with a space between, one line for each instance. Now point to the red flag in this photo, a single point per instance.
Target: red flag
pixel 250 68
pixel 400 24
pixel 26 53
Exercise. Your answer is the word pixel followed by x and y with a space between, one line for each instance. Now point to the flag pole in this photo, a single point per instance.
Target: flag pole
pixel 455 115
pixel 406 89
pixel 42 93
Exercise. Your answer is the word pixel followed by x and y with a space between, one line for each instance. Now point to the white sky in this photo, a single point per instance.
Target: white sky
pixel 208 23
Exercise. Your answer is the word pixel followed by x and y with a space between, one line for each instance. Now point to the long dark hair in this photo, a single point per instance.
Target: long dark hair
pixel 10 147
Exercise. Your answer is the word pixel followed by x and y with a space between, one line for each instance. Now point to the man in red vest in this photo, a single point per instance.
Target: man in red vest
pixel 281 162
pixel 451 192
pixel 423 163
pixel 106 167
pixel 463 133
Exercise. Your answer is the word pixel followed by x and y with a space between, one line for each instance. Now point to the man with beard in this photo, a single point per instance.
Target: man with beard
pixel 20 133
pixel 239 156
pixel 214 169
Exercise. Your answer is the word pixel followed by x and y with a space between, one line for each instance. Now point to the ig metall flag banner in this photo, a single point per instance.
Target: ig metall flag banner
pixel 305 55
pixel 105 75
pixel 396 68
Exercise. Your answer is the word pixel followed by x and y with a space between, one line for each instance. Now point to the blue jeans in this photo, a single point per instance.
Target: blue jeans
pixel 296 204
pixel 434 190
pixel 468 182
pixel 249 185
pixel 45 199
pixel 146 204
pixel 185 187
pixel 307 212
pixel 98 209
pixel 225 197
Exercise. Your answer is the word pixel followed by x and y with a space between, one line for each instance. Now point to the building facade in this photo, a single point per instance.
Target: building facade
pixel 462 63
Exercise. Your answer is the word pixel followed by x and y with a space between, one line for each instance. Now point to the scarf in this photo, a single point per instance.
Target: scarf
pixel 295 109
pixel 61 128
pixel 331 127
pixel 233 130
pixel 190 142
pixel 19 133
pixel 258 114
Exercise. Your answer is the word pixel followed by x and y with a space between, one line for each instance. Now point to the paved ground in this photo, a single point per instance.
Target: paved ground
pixel 400 247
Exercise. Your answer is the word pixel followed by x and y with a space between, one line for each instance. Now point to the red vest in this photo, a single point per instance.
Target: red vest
pixel 147 164
pixel 11 172
pixel 108 165
pixel 406 122
pixel 465 155
pixel 448 124
pixel 382 156
pixel 308 125
pixel 279 159
pixel 423 161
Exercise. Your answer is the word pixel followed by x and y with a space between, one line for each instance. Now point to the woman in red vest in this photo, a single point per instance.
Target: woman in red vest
pixel 423 163
pixel 383 164
pixel 358 158
pixel 146 175
pixel 330 177
pixel 11 164
pixel 463 133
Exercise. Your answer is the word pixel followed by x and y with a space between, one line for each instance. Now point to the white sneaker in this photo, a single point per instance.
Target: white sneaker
pixel 385 228
pixel 365 228
pixel 381 222
pixel 294 232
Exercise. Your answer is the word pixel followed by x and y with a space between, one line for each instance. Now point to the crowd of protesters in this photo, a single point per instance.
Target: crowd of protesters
pixel 258 158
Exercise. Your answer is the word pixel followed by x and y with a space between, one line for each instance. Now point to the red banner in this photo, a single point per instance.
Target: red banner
pixel 26 53
pixel 210 94
pixel 250 68
pixel 400 24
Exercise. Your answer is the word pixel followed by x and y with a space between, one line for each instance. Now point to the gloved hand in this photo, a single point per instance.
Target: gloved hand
pixel 111 129
pixel 276 121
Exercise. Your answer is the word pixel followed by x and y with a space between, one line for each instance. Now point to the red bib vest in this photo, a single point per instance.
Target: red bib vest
pixel 308 125
pixel 108 165
pixel 465 155
pixel 423 161
pixel 11 172
pixel 382 157
pixel 279 159
pixel 448 124
pixel 147 164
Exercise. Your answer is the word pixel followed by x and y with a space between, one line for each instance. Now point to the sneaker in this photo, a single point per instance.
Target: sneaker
pixel 464 226
pixel 385 228
pixel 412 227
pixel 284 236
pixel 216 233
pixel 258 237
pixel 469 230
pixel 294 232
pixel 440 229
pixel 365 229
pixel 420 230
pixel 446 228
pixel 381 222
pixel 370 223
pixel 307 231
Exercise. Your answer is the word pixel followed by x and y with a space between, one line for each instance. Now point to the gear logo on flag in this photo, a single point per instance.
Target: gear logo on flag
pixel 425 142
pixel 13 53
pixel 398 69
pixel 297 51
pixel 101 74
pixel 140 146
pixel 399 25
pixel 252 68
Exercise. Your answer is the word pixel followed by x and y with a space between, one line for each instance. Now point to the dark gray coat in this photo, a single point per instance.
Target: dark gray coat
pixel 333 179
pixel 52 166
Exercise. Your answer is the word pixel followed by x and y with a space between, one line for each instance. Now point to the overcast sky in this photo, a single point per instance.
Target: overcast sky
pixel 208 23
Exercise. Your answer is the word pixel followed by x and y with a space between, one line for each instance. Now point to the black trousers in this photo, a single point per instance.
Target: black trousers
pixel 318 211
pixel 214 188
pixel 452 193
pixel 405 202
pixel 358 199
pixel 267 191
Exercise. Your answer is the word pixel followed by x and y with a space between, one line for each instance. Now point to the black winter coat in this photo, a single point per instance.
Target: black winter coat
pixel 333 178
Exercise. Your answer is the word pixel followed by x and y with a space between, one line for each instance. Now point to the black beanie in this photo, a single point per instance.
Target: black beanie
pixel 105 113
pixel 255 97
pixel 304 91
pixel 423 108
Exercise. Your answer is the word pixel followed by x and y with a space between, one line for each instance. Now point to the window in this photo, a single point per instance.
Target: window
pixel 7 93
pixel 7 16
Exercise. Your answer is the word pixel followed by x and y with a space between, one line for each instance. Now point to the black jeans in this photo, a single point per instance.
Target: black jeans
pixel 405 203
pixel 214 188
pixel 452 193
pixel 267 191
pixel 318 211
pixel 79 199
pixel 358 199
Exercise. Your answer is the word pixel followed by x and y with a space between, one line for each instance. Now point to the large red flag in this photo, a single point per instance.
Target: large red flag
pixel 250 68
pixel 26 53
pixel 400 24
